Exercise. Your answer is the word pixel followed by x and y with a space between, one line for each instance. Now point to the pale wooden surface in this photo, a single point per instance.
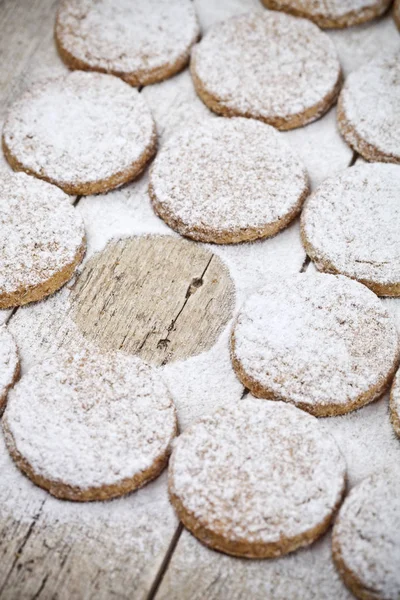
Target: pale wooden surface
pixel 133 547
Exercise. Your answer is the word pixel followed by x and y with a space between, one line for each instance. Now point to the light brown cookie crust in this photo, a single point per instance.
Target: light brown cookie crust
pixel 317 408
pixel 354 582
pixel 60 373
pixel 43 239
pixel 34 293
pixel 190 212
pixel 67 492
pixel 320 220
pixel 281 123
pixel 233 108
pixel 24 146
pixel 324 19
pixel 218 535
pixel 93 187
pixel 374 82
pixel 367 150
pixel 137 77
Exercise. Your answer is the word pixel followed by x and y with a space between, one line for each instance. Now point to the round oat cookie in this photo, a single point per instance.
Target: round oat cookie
pixel 85 132
pixel 323 342
pixel 366 539
pixel 9 364
pixel 258 479
pixel 351 225
pixel 142 41
pixel 332 14
pixel 369 109
pixel 227 181
pixel 269 66
pixel 395 404
pixel 42 239
pixel 90 426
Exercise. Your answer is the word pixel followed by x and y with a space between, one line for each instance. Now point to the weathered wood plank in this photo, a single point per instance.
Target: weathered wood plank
pixel 161 298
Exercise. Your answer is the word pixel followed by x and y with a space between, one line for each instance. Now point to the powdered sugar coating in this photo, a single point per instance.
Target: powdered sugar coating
pixel 332 13
pixel 79 129
pixel 351 225
pixel 138 40
pixel 89 420
pixel 257 473
pixel 41 235
pixel 323 342
pixel 269 66
pixel 227 180
pixel 369 109
pixel 366 538
pixel 9 364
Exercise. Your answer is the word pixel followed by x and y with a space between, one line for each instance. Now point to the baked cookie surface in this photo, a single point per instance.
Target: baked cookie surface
pixel 258 479
pixel 9 364
pixel 85 132
pixel 143 41
pixel 323 342
pixel 87 426
pixel 332 13
pixel 369 109
pixel 268 66
pixel 42 239
pixel 351 225
pixel 395 404
pixel 227 181
pixel 366 539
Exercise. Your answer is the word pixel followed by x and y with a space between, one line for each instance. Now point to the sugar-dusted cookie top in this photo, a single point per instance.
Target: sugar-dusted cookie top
pixel 351 225
pixel 9 364
pixel 258 479
pixel 269 66
pixel 332 13
pixel 228 180
pixel 89 426
pixel 323 342
pixel 366 538
pixel 85 132
pixel 369 109
pixel 42 239
pixel 142 41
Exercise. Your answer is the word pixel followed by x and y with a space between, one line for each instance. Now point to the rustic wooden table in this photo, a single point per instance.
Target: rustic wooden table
pixel 170 301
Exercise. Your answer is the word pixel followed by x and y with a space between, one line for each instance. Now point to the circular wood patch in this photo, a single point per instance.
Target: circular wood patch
pixel 159 297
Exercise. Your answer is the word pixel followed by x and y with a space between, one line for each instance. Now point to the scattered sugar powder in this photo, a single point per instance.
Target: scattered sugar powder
pixel 366 536
pixel 318 340
pixel 395 403
pixel 79 128
pixel 135 40
pixel 227 178
pixel 351 224
pixel 89 419
pixel 40 232
pixel 370 102
pixel 257 472
pixel 268 65
pixel 9 363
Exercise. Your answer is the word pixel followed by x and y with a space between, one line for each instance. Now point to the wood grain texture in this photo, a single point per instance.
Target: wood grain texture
pixel 158 297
